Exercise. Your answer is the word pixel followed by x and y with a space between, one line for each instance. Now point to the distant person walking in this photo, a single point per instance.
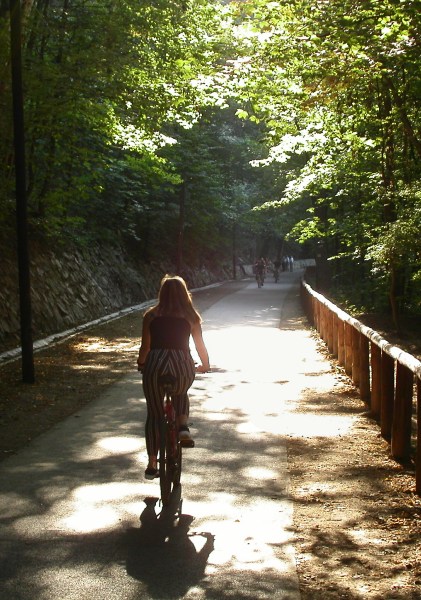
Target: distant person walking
pixel 276 267
pixel 285 263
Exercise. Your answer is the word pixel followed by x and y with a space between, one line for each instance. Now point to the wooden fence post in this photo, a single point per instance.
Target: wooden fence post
pixel 317 314
pixel 418 459
pixel 309 304
pixel 388 395
pixel 314 310
pixel 376 384
pixel 348 349
pixel 323 321
pixel 370 361
pixel 335 323
pixel 341 342
pixel 402 413
pixel 364 369
pixel 355 356
pixel 329 329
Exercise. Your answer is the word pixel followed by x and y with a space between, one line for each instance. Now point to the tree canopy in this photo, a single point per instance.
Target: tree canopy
pixel 192 129
pixel 338 85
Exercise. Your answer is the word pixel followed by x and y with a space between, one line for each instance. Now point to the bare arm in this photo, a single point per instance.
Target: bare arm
pixel 200 347
pixel 146 341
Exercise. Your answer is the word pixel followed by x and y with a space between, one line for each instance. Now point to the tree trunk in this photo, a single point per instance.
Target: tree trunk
pixel 21 197
pixel 406 122
pixel 389 207
pixel 234 250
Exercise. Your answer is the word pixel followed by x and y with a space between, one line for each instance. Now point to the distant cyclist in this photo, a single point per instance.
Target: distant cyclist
pixel 166 332
pixel 260 271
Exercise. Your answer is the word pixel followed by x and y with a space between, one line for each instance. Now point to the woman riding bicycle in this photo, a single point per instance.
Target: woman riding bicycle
pixel 166 331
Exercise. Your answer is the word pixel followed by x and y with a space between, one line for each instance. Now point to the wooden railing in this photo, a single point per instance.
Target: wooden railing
pixel 388 379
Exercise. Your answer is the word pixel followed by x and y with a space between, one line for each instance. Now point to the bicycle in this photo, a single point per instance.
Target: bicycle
pixel 170 447
pixel 260 279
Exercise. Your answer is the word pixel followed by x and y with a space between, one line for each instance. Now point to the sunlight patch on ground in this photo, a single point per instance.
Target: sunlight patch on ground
pixel 90 519
pixel 90 345
pixel 212 415
pixel 245 348
pixel 311 425
pixel 247 536
pixel 365 535
pixel 267 353
pixel 89 509
pixel 105 492
pixel 120 445
pixel 102 345
pixel 259 473
pixel 91 367
pixel 97 507
pixel 250 429
pixel 256 397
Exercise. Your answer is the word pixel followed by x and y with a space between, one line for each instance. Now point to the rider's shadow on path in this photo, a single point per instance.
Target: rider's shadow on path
pixel 161 553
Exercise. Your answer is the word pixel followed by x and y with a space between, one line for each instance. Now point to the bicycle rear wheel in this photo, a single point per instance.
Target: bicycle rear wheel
pixel 170 460
pixel 164 466
pixel 177 465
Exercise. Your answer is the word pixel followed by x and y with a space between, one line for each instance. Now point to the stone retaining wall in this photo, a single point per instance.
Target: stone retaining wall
pixel 70 287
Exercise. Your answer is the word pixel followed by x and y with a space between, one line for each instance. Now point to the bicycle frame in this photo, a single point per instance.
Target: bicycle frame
pixel 170 454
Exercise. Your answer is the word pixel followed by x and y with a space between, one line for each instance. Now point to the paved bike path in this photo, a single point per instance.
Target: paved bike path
pixel 78 520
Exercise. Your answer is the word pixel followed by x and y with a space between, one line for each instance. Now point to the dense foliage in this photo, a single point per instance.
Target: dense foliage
pixel 200 130
pixel 338 84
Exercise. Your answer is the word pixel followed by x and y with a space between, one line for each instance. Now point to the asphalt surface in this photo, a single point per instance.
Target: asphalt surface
pixel 78 520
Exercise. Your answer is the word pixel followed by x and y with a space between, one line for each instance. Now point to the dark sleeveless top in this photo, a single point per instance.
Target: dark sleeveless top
pixel 171 333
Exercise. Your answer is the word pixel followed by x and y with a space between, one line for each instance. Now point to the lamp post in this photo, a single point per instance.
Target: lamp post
pixel 21 200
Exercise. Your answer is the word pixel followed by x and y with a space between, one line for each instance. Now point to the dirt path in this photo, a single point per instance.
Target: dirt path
pixel 357 519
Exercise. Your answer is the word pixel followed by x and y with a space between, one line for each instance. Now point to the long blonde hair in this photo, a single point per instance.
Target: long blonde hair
pixel 175 300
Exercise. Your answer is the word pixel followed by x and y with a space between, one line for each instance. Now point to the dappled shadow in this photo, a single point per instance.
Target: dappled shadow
pixel 68 376
pixel 75 488
pixel 52 565
pixel 324 405
pixel 100 448
pixel 162 555
pixel 349 524
pixel 73 503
